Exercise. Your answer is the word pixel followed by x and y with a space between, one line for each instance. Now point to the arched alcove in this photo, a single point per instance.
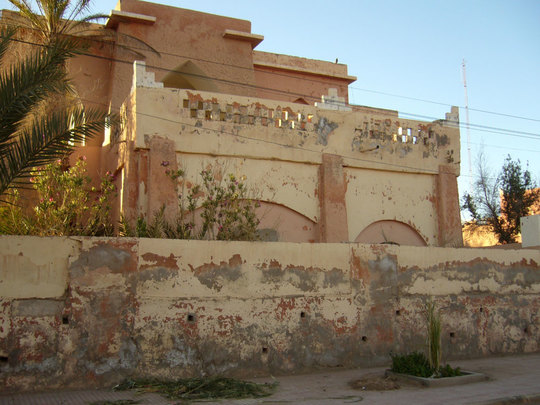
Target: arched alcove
pixel 281 223
pixel 391 232
pixel 301 100
pixel 189 76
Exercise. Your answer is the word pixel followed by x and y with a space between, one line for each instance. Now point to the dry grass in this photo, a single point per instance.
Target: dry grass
pixel 200 389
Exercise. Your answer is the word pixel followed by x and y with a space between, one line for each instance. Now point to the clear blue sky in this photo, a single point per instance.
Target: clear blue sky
pixel 415 49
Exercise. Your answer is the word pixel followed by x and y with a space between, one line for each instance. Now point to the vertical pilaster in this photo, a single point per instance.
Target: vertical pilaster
pixel 448 210
pixel 161 190
pixel 333 210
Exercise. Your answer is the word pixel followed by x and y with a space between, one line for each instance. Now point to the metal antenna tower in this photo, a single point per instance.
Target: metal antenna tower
pixel 467 124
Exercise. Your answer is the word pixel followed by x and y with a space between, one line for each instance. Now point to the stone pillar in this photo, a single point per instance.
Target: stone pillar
pixel 448 210
pixel 333 209
pixel 161 190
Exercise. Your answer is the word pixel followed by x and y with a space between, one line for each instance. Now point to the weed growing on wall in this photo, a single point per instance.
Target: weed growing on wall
pixel 220 208
pixel 67 204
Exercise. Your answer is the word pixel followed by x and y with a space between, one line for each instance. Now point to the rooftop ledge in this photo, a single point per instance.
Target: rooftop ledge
pixel 254 39
pixel 117 16
pixel 347 78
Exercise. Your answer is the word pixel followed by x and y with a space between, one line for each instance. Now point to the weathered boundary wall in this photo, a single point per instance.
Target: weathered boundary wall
pixel 91 311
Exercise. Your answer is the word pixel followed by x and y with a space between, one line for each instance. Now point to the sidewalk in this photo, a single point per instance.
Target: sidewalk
pixel 513 380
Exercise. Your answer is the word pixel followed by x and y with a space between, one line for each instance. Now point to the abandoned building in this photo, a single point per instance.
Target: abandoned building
pixel 90 311
pixel 325 171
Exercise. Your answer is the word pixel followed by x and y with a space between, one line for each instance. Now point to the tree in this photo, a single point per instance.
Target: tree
pixel 500 202
pixel 54 20
pixel 29 138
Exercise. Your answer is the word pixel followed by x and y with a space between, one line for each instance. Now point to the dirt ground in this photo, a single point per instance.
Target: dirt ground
pixel 374 382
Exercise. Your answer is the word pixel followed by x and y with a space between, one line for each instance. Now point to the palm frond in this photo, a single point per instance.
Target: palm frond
pixel 5 39
pixel 48 138
pixel 28 83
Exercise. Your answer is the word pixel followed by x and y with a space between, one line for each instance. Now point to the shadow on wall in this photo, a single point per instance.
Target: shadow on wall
pixel 390 232
pixel 189 76
pixel 283 224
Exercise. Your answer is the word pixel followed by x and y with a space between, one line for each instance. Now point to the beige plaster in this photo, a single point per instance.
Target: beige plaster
pixel 374 195
pixel 245 309
pixel 34 267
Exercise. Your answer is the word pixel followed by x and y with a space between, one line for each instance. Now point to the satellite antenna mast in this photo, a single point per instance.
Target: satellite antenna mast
pixel 467 124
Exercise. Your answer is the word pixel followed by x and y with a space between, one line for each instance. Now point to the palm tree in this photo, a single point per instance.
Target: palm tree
pixel 29 138
pixel 56 19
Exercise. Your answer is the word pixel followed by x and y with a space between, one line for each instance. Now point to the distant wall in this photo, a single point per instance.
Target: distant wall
pixel 91 311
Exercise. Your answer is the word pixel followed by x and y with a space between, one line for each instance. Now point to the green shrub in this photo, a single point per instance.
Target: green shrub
pixel 417 364
pixel 227 211
pixel 67 205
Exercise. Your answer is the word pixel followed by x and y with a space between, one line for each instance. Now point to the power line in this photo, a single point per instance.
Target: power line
pixel 318 152
pixel 306 79
pixel 478 127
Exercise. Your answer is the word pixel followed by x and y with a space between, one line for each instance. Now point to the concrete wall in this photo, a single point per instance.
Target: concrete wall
pixel 91 311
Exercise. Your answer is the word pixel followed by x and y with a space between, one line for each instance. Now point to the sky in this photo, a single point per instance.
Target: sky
pixel 408 56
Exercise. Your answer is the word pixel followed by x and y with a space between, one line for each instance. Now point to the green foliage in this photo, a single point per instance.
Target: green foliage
pixel 500 202
pixel 227 211
pixel 30 137
pixel 200 389
pixel 417 364
pixel 54 20
pixel 67 205
pixel 434 335
pixel 448 371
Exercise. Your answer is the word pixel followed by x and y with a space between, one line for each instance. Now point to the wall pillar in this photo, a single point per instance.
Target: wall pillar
pixel 161 190
pixel 333 210
pixel 448 210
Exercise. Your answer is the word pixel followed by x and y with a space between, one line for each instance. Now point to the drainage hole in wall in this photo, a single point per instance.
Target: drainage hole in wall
pixel 398 312
pixel 265 350
pixel 191 318
pixel 364 338
pixel 481 309
pixel 65 320
pixel 526 330
pixel 3 359
pixel 452 334
pixel 302 314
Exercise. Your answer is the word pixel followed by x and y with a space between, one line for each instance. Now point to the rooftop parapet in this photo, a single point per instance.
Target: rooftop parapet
pixel 213 123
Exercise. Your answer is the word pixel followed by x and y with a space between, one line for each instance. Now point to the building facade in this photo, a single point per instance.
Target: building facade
pixel 325 170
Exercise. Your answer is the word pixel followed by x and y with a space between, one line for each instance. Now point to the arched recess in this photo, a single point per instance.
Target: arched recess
pixel 391 232
pixel 189 76
pixel 301 100
pixel 277 223
pixel 283 224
